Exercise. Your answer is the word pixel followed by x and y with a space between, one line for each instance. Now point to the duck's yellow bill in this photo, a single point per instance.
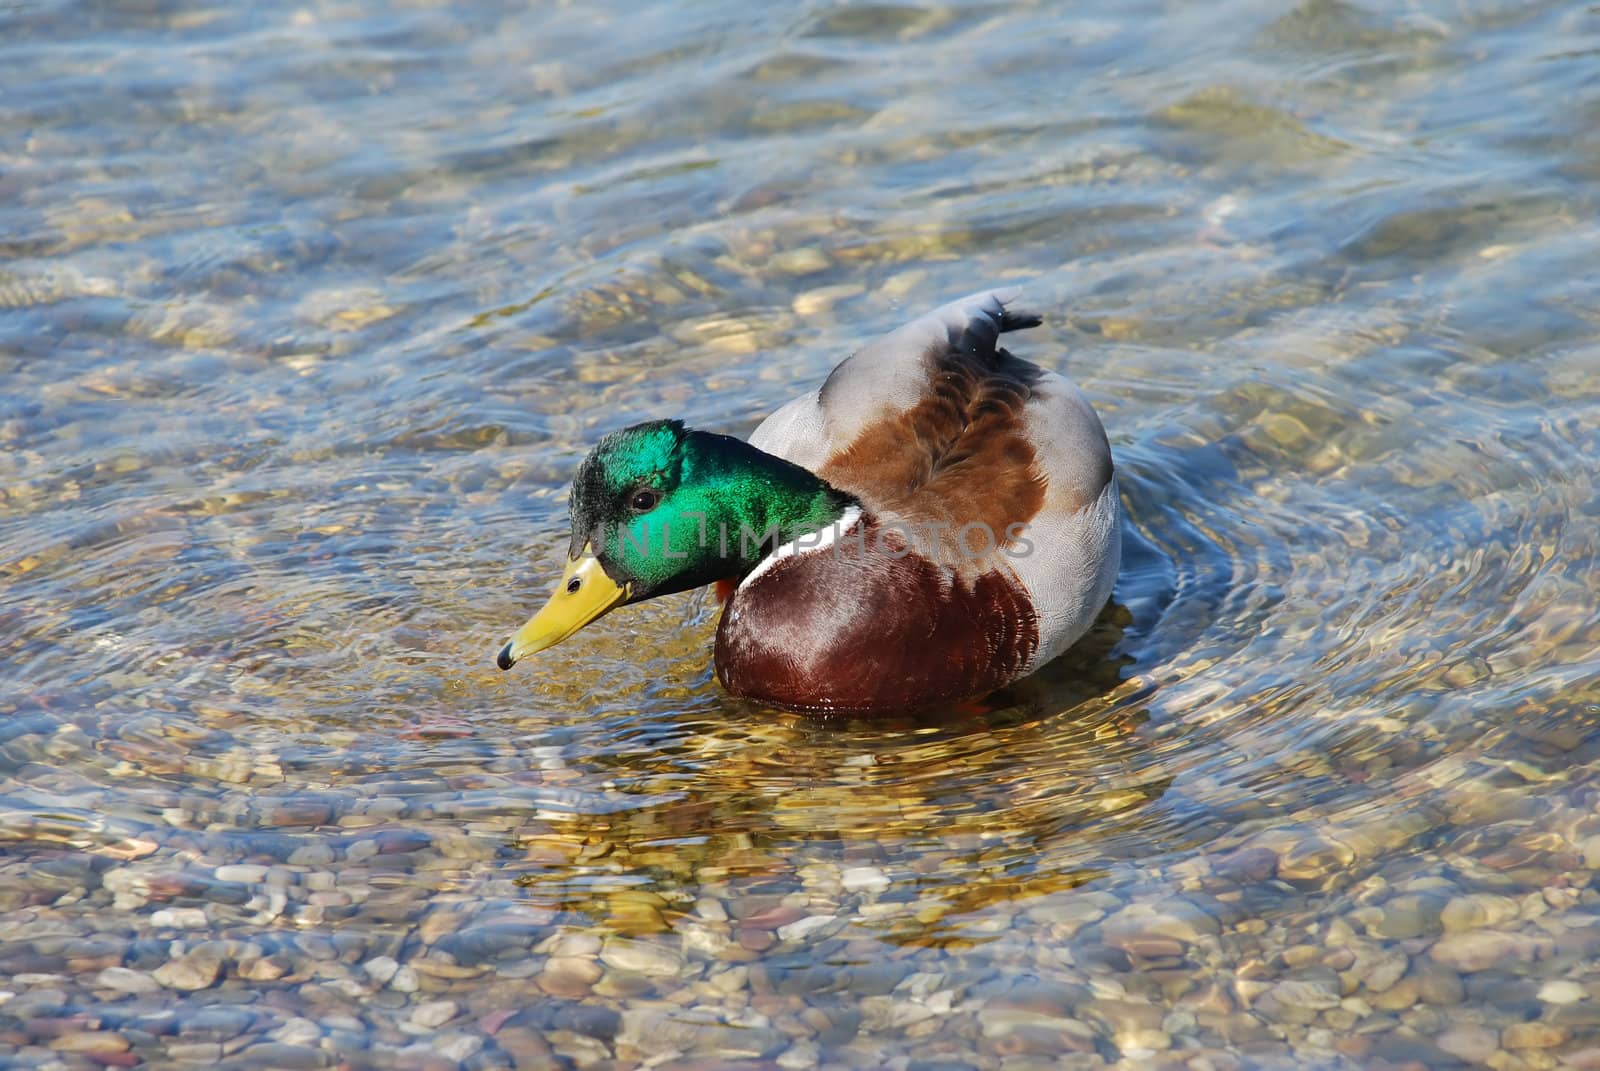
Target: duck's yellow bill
pixel 584 594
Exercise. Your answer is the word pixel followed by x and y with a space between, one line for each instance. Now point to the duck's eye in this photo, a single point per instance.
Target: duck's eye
pixel 645 499
pixel 574 584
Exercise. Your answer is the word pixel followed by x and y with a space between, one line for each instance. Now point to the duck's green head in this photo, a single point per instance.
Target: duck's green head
pixel 659 508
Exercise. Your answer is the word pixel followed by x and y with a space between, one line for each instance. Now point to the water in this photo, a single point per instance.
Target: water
pixel 308 313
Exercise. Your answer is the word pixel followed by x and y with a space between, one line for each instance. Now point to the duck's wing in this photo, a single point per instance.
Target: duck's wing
pixel 886 378
pixel 936 423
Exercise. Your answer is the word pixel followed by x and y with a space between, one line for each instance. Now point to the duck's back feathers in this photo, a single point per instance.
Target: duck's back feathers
pixel 936 424
pixel 886 378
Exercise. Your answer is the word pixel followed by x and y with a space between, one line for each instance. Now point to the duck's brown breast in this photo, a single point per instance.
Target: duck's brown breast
pixel 866 625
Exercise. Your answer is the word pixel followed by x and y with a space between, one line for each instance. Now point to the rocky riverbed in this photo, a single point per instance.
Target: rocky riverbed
pixel 307 313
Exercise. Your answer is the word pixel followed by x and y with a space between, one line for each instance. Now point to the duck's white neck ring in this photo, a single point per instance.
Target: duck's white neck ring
pixel 808 543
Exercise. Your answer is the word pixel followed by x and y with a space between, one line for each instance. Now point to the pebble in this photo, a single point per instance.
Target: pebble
pixel 1479 950
pixel 297 1031
pixel 89 1042
pixel 196 970
pixel 1071 1033
pixel 1438 985
pixel 1389 968
pixel 1397 997
pixel 754 940
pixel 216 1023
pixel 710 909
pixel 1140 1042
pixel 280 1057
pixel 1471 1042
pixel 1409 916
pixel 799 1056
pixel 1149 931
pixel 730 981
pixel 1312 860
pixel 651 1031
pixel 241 873
pixel 1561 991
pixel 314 854
pixel 435 924
pixel 573 944
pixel 457 1047
pixel 864 879
pixel 195 1052
pixel 124 980
pixel 434 1013
pixel 800 929
pixel 527 1048
pixel 381 969
pixel 1123 1018
pixel 361 851
pixel 804 261
pixel 569 976
pixel 903 283
pixel 1252 864
pixel 642 957
pixel 1302 994
pixel 1476 912
pixel 266 969
pixel 1042 998
pixel 886 1014
pixel 823 298
pixel 1533 1036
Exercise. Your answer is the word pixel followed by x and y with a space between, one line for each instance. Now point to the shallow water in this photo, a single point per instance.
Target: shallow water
pixel 308 313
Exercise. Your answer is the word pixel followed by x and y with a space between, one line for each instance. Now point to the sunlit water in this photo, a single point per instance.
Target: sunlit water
pixel 307 314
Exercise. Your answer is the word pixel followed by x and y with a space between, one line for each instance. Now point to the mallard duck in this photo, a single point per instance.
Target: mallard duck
pixel 938 519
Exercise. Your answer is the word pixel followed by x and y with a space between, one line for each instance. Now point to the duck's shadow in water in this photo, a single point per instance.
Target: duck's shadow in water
pixel 1033 790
